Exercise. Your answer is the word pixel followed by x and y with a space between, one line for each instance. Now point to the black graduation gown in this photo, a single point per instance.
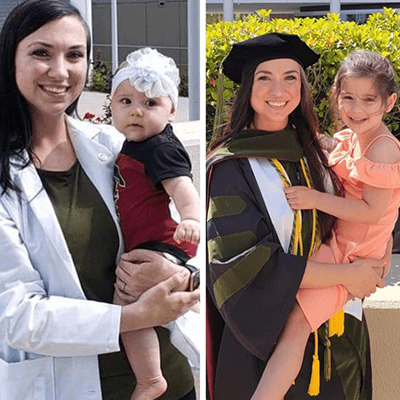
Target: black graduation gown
pixel 252 283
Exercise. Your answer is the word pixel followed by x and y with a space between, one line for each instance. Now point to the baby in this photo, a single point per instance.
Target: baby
pixel 153 167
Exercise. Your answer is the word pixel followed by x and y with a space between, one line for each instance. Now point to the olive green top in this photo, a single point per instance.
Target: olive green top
pixel 92 239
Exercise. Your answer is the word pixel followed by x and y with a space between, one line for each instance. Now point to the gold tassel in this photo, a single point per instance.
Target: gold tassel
pixel 313 389
pixel 336 324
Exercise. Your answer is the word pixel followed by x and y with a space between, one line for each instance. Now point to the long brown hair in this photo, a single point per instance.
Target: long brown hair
pixel 306 122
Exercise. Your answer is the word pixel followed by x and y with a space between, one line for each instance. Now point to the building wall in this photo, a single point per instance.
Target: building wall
pixel 5 7
pixel 158 24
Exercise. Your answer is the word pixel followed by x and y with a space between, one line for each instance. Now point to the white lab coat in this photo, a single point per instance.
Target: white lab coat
pixel 50 335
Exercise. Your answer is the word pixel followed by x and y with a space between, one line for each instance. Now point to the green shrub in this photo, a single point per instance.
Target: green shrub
pixel 101 75
pixel 332 38
pixel 184 85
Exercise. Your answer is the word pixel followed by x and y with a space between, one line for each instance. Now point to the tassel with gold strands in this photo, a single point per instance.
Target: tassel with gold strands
pixel 313 389
pixel 336 324
pixel 296 247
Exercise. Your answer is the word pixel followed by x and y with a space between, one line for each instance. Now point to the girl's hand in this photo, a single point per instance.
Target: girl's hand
pixel 159 305
pixel 188 231
pixel 302 198
pixel 328 143
pixel 365 276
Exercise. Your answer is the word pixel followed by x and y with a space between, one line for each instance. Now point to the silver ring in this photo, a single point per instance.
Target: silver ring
pixel 383 273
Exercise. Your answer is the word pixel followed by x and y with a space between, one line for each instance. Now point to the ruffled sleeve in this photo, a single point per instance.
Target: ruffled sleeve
pixel 344 144
pixel 384 176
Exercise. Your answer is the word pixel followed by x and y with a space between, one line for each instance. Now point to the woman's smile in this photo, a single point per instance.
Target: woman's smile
pixel 57 90
pixel 276 104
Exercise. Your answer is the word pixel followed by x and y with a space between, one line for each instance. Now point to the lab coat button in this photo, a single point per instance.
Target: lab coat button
pixel 103 157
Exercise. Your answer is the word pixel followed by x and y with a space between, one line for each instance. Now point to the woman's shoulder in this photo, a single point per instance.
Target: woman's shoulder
pixel 225 162
pixel 104 134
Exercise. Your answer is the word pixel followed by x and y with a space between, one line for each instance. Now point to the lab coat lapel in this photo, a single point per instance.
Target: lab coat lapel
pixel 36 201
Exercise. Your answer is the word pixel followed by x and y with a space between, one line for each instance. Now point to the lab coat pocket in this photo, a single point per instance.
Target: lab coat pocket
pixel 27 380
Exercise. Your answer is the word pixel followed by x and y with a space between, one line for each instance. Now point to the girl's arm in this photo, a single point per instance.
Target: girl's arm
pixel 186 200
pixel 184 195
pixel 369 210
pixel 362 279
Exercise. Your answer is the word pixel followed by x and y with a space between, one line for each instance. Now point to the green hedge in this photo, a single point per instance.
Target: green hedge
pixel 332 38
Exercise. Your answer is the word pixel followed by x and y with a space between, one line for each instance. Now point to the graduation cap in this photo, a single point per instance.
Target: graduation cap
pixel 270 46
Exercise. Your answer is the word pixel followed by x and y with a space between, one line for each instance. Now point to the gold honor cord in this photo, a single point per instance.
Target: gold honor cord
pixel 296 248
pixel 296 241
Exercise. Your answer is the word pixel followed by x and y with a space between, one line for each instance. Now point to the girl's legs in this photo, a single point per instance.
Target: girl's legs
pixel 286 360
pixel 143 351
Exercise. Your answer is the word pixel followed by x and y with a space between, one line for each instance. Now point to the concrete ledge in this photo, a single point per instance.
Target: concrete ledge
pixel 382 310
pixel 187 131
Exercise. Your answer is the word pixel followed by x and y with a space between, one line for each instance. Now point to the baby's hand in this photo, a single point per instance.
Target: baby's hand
pixel 188 230
pixel 301 197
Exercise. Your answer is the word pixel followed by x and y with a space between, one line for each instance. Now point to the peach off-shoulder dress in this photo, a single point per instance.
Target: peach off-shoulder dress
pixel 352 239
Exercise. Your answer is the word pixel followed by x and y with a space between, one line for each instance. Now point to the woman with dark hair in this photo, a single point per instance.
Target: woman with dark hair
pixel 259 250
pixel 59 236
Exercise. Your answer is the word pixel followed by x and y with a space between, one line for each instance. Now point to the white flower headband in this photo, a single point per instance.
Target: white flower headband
pixel 151 73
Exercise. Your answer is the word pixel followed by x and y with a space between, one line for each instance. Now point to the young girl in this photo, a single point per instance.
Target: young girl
pixel 152 166
pixel 367 161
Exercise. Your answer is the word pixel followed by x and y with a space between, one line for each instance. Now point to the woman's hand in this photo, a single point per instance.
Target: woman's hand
pixel 365 276
pixel 140 270
pixel 302 198
pixel 159 305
